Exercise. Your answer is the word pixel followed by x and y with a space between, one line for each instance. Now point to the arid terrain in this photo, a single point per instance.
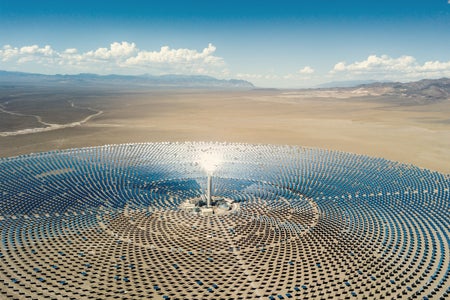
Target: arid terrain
pixel 364 120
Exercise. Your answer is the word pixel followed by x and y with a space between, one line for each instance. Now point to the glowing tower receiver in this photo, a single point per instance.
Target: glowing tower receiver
pixel 209 162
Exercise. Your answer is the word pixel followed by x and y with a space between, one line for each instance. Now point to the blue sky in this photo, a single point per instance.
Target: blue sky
pixel 270 43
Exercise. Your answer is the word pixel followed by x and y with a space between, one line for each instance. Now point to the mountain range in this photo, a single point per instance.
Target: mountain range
pixel 425 90
pixel 87 79
pixel 422 91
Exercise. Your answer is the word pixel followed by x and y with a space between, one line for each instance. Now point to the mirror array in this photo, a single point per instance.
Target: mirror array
pixel 105 223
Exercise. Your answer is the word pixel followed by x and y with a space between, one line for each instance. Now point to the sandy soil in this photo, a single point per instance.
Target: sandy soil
pixel 358 123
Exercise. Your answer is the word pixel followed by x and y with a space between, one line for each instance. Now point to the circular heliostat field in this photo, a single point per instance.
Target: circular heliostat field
pixel 130 222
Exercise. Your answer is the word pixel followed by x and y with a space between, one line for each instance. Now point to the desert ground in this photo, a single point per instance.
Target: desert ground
pixel 43 119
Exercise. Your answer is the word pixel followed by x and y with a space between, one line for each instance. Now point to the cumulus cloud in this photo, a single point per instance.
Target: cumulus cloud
pixel 384 66
pixel 123 57
pixel 176 56
pixel 306 70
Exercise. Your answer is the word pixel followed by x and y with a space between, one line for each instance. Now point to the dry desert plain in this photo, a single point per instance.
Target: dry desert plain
pixel 396 128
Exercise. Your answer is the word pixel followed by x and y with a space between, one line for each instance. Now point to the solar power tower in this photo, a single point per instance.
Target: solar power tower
pixel 208 191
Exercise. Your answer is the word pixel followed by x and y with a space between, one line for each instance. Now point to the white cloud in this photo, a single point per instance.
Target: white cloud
pixel 166 55
pixel 36 50
pixel 302 75
pixel 384 66
pixel 123 57
pixel 29 49
pixel 8 52
pixel 306 70
pixel 70 51
pixel 249 76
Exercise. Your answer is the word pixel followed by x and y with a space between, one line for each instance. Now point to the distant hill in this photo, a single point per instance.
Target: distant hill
pixel 344 84
pixel 425 90
pixel 408 93
pixel 86 79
